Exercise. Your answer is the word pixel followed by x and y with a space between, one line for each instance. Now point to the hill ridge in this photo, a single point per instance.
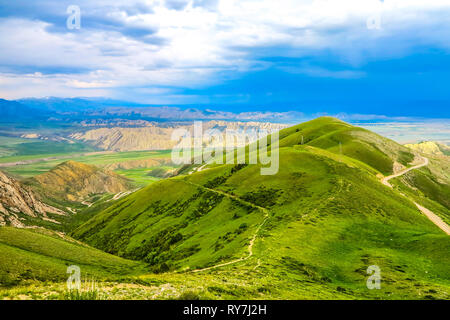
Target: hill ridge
pixel 77 181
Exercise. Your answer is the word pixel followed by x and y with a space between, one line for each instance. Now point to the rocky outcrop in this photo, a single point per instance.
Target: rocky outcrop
pixel 17 201
pixel 128 139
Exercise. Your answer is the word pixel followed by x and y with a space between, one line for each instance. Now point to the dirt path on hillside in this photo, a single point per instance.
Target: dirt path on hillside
pixel 385 180
pixel 253 239
pixel 428 213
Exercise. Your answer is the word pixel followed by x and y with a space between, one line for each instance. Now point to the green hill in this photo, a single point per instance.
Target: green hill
pixel 309 231
pixel 39 255
pixel 342 138
pixel 430 185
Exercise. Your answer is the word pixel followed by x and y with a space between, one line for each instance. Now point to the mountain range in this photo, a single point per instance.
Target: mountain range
pixel 213 231
pixel 100 108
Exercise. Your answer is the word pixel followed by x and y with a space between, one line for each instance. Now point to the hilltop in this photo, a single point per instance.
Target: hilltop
pixel 20 206
pixel 339 137
pixel 75 181
pixel 311 230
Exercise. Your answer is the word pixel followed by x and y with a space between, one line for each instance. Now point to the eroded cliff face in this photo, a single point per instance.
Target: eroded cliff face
pixel 18 201
pixel 76 181
pixel 155 137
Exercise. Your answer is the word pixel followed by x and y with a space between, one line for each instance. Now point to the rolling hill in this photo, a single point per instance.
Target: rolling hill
pixel 75 181
pixel 310 231
pixel 339 137
pixel 430 185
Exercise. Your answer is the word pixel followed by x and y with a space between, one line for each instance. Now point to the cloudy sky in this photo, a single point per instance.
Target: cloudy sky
pixel 376 57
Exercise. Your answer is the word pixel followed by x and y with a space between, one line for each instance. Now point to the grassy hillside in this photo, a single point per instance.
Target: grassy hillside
pixel 319 222
pixel 39 255
pixel 13 147
pixel 308 232
pixel 342 138
pixel 430 147
pixel 429 186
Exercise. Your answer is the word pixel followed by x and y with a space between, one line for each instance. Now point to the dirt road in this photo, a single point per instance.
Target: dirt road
pixel 253 239
pixel 428 213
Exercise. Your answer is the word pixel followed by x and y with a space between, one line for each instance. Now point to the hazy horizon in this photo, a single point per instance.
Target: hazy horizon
pixel 374 57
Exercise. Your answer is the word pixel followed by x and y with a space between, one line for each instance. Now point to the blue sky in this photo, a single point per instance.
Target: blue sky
pixel 387 58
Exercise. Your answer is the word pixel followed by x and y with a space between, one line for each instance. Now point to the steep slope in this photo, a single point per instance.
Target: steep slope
pixel 321 221
pixel 339 137
pixel 155 136
pixel 30 255
pixel 76 181
pixel 19 204
pixel 430 185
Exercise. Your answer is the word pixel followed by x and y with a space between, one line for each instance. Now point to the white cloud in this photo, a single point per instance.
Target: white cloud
pixel 201 46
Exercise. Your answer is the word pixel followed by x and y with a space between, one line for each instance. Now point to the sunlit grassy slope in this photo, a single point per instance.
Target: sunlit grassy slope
pixel 27 255
pixel 329 219
pixel 429 185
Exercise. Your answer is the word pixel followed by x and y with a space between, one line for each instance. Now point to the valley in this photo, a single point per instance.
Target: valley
pixel 251 152
pixel 139 227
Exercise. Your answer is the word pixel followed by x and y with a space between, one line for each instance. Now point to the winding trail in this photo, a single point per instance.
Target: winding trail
pixel 88 204
pixel 122 194
pixel 385 180
pixel 253 239
pixel 428 213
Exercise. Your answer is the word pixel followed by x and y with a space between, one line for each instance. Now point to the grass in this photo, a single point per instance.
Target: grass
pixel 142 176
pixel 13 149
pixel 330 218
pixel 339 137
pixel 31 255
pixel 429 186
pixel 8 145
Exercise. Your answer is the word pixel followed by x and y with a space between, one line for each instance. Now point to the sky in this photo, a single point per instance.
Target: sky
pixel 386 58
